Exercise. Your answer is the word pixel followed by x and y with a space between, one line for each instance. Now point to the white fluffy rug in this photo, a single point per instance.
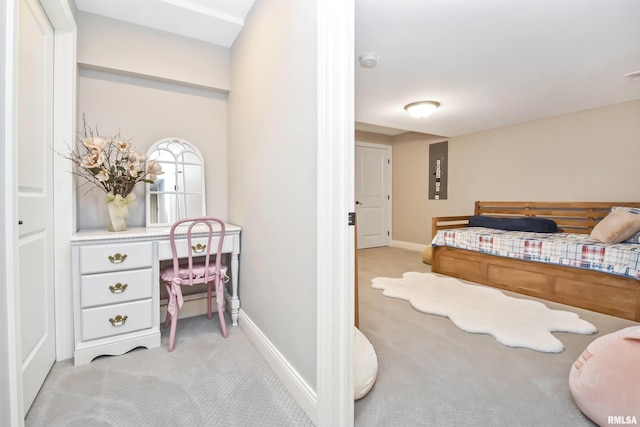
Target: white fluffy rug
pixel 514 322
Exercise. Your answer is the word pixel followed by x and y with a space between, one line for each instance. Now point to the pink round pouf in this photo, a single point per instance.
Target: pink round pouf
pixel 605 380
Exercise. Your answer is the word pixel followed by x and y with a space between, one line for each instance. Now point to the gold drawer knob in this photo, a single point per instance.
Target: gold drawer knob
pixel 118 288
pixel 118 320
pixel 199 248
pixel 117 258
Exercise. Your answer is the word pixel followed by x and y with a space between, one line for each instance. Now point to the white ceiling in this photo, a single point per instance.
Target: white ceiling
pixel 213 21
pixel 490 63
pixel 493 63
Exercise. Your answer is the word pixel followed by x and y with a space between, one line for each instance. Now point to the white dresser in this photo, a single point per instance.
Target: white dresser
pixel 116 288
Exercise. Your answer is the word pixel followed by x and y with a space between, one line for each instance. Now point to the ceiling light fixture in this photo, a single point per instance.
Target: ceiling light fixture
pixel 421 109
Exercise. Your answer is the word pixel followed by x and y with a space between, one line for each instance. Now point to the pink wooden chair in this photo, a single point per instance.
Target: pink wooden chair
pixel 189 273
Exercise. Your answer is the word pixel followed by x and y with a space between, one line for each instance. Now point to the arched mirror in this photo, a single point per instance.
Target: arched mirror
pixel 179 192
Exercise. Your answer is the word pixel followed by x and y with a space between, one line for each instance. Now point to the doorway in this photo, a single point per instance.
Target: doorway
pixel 373 194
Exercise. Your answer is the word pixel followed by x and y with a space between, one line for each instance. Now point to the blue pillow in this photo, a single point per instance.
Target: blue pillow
pixel 539 225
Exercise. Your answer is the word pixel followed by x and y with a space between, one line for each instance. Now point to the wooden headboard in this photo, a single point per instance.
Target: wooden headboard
pixel 571 217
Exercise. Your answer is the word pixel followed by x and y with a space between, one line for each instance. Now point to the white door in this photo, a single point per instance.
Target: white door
pixel 373 194
pixel 34 293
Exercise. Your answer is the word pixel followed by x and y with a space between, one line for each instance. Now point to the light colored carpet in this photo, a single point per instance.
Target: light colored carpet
pixel 431 373
pixel 206 381
pixel 514 322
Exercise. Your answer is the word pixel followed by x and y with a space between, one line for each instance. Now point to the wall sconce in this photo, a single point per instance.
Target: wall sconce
pixel 421 109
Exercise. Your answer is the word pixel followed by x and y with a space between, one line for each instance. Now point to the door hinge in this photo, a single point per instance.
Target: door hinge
pixel 388 161
pixel 388 233
pixel 352 218
pixel 388 197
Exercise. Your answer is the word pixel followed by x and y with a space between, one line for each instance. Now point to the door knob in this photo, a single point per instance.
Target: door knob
pixel 358 203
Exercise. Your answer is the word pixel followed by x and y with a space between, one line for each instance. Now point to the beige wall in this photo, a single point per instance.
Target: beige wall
pixel 585 156
pixel 374 138
pixel 273 175
pixel 118 92
pixel 128 48
pixel 410 177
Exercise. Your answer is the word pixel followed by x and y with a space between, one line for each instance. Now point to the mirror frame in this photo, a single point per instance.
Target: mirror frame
pixel 157 146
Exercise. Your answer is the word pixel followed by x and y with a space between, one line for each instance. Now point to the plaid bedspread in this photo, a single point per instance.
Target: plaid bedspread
pixel 570 249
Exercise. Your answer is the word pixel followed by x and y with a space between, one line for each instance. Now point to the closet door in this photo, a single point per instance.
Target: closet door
pixel 35 279
pixel 373 194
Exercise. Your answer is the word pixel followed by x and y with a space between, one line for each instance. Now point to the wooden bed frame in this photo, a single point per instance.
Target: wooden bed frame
pixel 605 293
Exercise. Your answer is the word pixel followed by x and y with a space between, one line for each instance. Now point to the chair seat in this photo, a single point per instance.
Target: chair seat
pixel 198 273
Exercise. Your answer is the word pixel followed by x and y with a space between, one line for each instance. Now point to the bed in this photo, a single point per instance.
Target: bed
pixel 609 290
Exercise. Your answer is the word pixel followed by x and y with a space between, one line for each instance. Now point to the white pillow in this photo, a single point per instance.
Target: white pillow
pixel 620 224
pixel 366 364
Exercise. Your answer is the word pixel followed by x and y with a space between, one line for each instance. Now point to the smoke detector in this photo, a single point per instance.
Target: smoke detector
pixel 368 60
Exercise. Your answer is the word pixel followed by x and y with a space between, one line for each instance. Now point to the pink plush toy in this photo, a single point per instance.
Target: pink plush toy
pixel 605 380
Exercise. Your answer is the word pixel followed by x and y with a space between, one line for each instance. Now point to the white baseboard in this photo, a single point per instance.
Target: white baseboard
pixel 408 245
pixel 295 384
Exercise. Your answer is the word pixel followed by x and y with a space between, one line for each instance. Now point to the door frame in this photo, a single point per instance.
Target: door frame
pixel 63 21
pixel 335 185
pixel 388 182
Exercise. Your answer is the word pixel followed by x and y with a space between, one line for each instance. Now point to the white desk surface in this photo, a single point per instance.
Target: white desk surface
pixel 140 233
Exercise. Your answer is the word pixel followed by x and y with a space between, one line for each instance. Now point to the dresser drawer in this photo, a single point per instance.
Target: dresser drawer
pixel 101 322
pixel 115 257
pixel 117 287
pixel 164 247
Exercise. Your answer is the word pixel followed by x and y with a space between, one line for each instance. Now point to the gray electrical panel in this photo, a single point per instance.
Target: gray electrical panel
pixel 438 154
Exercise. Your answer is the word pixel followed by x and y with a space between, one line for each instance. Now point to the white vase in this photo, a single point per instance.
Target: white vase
pixel 118 214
